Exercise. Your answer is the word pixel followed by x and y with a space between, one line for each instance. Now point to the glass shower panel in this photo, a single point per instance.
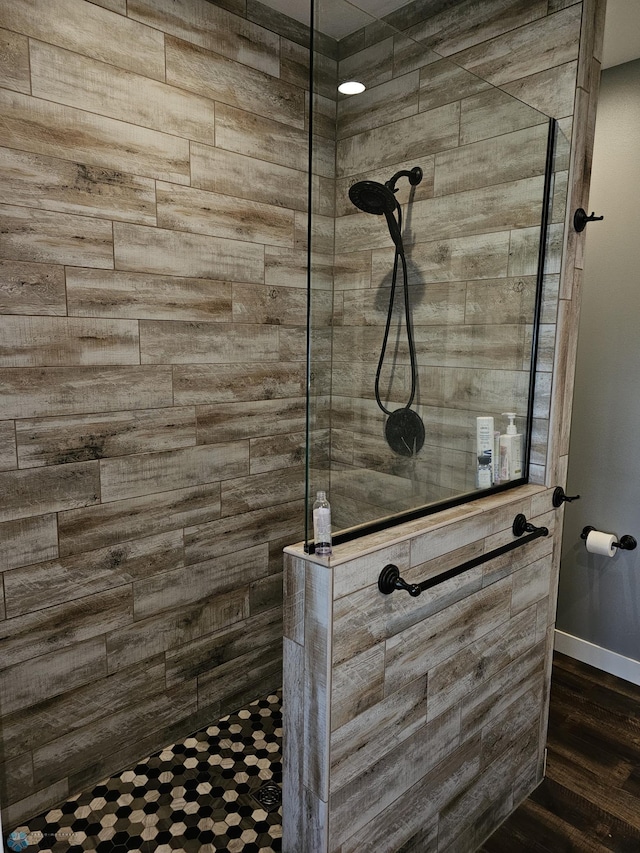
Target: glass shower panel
pixel 320 247
pixel 422 312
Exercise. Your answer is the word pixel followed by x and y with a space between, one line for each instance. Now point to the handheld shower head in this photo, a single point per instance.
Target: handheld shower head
pixel 379 199
pixel 372 197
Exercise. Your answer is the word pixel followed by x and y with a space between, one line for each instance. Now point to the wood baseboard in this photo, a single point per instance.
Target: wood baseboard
pixel 601 658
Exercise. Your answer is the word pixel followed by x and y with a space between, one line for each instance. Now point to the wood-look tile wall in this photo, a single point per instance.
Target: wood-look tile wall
pixel 417 723
pixel 471 233
pixel 153 194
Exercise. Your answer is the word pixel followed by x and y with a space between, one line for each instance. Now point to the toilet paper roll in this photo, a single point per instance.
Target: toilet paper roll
pixel 601 543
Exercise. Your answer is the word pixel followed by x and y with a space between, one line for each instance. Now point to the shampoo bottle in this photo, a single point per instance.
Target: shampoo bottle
pixel 322 525
pixel 484 472
pixel 496 457
pixel 510 451
pixel 484 441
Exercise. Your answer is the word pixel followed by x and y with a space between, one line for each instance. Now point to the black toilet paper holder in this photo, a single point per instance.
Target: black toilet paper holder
pixel 626 543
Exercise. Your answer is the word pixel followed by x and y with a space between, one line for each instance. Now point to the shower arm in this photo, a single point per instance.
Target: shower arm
pixel 414 175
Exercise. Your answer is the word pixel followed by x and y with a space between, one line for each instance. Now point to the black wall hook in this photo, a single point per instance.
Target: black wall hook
pixel 559 497
pixel 580 219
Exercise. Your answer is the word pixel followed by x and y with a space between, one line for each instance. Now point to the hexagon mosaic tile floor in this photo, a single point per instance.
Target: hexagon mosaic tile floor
pixel 218 790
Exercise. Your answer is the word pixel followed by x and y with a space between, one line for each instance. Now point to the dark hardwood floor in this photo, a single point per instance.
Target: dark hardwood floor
pixel 590 798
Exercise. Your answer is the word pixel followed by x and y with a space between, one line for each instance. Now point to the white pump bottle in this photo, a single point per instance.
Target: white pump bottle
pixel 510 451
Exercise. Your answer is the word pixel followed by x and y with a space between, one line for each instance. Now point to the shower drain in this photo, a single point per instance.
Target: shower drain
pixel 269 796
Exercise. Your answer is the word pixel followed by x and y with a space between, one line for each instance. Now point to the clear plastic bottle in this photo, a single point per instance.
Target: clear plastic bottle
pixel 322 525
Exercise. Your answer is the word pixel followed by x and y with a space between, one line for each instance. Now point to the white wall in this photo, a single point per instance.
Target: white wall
pixel 599 598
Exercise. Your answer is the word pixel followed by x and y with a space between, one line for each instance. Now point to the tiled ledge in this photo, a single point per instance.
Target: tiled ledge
pixel 369 543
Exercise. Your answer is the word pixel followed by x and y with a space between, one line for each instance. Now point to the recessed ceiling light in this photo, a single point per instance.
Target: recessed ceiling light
pixel 351 87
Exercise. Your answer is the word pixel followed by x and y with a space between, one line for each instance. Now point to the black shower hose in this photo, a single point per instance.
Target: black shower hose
pixel 407 313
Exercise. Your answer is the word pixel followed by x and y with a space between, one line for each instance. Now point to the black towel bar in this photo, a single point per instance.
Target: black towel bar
pixel 389 579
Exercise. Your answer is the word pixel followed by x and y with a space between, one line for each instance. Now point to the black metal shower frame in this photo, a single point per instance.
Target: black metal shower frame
pixel 421 512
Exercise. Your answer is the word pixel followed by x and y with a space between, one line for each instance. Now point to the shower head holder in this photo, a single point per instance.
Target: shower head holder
pixel 414 175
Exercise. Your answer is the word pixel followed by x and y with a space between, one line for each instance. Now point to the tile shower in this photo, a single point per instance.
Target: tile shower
pixel 153 285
